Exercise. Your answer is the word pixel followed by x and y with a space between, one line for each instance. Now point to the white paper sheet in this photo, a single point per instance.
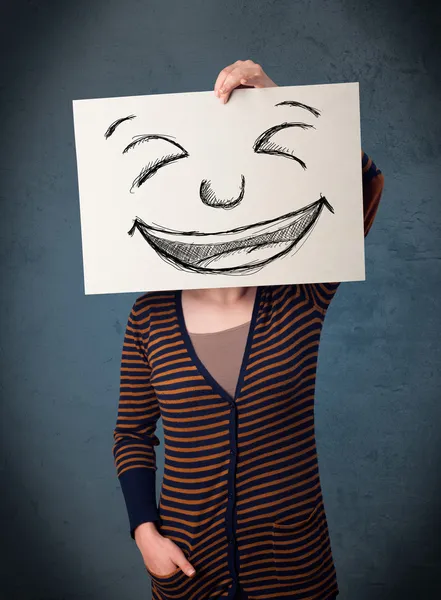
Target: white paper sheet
pixel 180 191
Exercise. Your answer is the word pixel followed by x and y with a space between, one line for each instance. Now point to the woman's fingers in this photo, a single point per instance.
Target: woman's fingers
pixel 221 78
pixel 242 72
pixel 181 561
pixel 232 80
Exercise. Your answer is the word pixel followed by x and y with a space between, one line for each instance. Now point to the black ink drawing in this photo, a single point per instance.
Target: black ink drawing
pixel 183 250
pixel 263 145
pixel 154 166
pixel 239 251
pixel 209 197
pixel 312 110
pixel 115 124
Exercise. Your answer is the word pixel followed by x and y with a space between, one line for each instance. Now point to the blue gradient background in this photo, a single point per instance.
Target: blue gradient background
pixel 64 530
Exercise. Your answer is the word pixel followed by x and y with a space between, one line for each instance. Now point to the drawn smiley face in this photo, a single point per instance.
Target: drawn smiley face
pixel 239 251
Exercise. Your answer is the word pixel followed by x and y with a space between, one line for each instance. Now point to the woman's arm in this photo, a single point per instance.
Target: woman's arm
pixel 373 183
pixel 134 434
pixel 247 73
pixel 134 451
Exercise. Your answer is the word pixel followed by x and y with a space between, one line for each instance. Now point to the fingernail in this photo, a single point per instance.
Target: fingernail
pixel 222 90
pixel 190 572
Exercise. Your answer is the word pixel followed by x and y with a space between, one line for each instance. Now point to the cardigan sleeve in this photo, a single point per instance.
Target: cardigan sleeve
pixel 373 183
pixel 134 434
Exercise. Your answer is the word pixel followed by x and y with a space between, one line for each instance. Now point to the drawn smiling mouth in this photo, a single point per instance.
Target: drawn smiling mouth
pixel 239 251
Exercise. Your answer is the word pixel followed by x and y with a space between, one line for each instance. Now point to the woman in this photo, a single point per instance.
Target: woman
pixel 232 374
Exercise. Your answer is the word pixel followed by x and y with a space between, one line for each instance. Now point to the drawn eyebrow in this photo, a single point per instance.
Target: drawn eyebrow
pixel 146 137
pixel 115 124
pixel 312 110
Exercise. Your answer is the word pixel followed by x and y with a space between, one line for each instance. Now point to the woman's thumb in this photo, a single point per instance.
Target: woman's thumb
pixel 183 563
pixel 187 568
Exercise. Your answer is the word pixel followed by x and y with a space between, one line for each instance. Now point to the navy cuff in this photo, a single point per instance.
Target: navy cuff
pixel 371 173
pixel 139 489
pixel 364 160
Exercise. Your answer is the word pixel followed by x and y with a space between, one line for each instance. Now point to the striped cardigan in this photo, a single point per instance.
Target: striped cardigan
pixel 241 492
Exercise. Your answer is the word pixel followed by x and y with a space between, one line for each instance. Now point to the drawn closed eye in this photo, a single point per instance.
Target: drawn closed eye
pixel 153 166
pixel 265 144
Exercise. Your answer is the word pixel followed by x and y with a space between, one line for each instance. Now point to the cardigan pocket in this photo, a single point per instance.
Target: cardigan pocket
pixel 171 582
pixel 163 577
pixel 173 585
pixel 299 548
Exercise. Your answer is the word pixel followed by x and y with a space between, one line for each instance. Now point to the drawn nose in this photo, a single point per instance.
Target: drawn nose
pixel 210 198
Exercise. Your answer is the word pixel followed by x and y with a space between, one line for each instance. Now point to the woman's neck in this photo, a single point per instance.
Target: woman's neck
pixel 209 310
pixel 222 296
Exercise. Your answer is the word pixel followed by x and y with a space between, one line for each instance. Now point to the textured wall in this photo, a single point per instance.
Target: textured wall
pixel 64 531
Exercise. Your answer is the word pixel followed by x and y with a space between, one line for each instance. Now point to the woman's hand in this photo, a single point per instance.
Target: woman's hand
pixel 242 72
pixel 160 554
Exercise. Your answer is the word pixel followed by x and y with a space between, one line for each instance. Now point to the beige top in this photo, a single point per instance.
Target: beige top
pixel 222 353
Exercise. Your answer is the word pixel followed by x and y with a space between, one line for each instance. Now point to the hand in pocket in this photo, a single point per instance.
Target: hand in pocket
pixel 161 556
